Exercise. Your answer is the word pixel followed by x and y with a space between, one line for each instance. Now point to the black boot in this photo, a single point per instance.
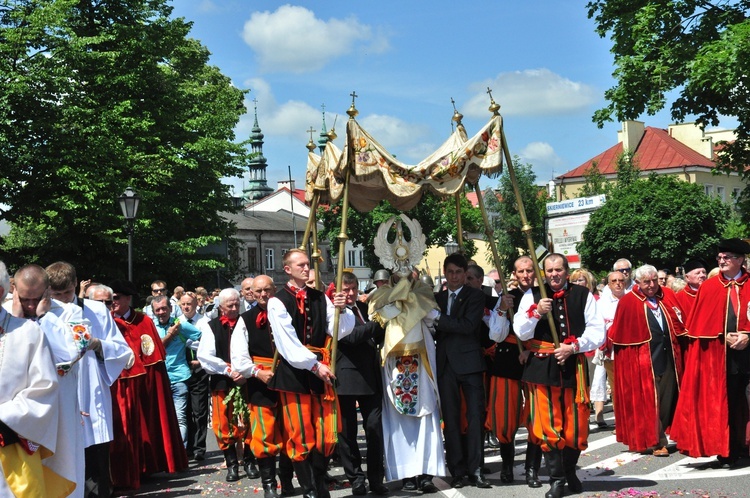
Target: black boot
pixel 249 461
pixel 268 476
pixel 533 462
pixel 554 460
pixel 570 460
pixel 508 455
pixel 233 466
pixel 286 473
pixel 304 472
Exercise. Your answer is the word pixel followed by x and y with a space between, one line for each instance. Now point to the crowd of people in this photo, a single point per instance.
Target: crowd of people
pixel 284 375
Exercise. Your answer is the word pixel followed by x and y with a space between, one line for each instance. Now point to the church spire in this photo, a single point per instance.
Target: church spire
pixel 323 140
pixel 257 188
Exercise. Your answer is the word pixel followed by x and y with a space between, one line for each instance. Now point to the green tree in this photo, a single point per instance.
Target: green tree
pixel 436 216
pixel 659 220
pixel 507 223
pixel 98 96
pixel 594 182
pixel 699 49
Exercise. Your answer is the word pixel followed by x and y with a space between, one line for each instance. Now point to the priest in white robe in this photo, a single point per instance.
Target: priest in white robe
pixel 104 355
pixel 28 407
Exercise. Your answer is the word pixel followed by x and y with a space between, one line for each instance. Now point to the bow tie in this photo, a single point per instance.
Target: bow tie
pixel 226 321
pixel 559 294
pixel 262 319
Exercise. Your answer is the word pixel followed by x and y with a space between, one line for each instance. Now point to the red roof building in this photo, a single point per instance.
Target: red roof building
pixel 684 151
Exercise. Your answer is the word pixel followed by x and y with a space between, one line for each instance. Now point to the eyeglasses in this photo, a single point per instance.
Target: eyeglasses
pixel 728 257
pixel 498 281
pixel 617 281
pixel 107 302
pixel 163 289
pixel 624 270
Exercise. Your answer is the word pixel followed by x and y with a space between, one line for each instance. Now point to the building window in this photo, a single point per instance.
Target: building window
pixel 269 260
pixel 252 259
pixel 351 258
pixel 720 193
pixel 362 259
pixel 708 190
pixel 736 193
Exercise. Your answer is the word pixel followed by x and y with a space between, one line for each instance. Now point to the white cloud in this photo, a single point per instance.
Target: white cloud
pixel 292 39
pixel 540 153
pixel 288 119
pixel 207 6
pixel 532 92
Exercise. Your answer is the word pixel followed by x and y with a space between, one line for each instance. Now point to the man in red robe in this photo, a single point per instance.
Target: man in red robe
pixel 648 362
pixel 147 437
pixel 711 415
pixel 695 275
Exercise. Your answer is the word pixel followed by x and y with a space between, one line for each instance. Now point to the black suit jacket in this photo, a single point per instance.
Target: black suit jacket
pixel 459 336
pixel 357 361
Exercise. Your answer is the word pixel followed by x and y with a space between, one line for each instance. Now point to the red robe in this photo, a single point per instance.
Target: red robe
pixel 701 421
pixel 686 298
pixel 636 410
pixel 147 436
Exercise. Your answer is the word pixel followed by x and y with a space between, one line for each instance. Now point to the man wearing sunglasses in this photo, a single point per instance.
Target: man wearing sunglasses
pixel 159 288
pixel 710 418
pixel 107 355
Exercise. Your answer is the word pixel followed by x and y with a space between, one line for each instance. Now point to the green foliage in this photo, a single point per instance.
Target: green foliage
pixel 98 96
pixel 507 224
pixel 698 49
pixel 436 216
pixel 627 170
pixel 594 182
pixel 660 221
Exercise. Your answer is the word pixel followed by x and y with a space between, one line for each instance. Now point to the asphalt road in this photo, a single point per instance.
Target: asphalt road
pixel 606 469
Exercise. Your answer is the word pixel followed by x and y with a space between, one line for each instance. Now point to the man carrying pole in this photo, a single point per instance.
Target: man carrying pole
pixel 557 375
pixel 302 321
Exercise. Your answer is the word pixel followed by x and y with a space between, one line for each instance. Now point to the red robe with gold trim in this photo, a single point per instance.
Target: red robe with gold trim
pixel 147 436
pixel 637 410
pixel 686 298
pixel 701 421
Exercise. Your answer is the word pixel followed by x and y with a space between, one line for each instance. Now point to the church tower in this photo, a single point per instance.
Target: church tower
pixel 257 188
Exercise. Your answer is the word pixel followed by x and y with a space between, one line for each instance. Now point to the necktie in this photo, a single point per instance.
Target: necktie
pixel 735 297
pixel 357 315
pixel 262 319
pixel 451 302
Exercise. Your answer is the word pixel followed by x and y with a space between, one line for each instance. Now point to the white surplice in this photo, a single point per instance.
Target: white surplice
pixel 69 455
pixel 29 388
pixel 97 372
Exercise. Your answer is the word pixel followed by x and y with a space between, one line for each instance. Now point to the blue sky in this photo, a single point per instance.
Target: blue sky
pixel 406 60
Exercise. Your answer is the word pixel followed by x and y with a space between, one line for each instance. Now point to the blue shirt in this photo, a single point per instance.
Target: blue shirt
pixel 176 361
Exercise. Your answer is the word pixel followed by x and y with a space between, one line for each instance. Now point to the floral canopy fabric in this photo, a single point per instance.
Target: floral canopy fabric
pixel 377 175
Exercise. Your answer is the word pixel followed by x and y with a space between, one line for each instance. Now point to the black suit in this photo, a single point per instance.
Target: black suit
pixel 460 367
pixel 360 381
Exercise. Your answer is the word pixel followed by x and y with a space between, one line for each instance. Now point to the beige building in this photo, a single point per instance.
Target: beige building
pixel 684 151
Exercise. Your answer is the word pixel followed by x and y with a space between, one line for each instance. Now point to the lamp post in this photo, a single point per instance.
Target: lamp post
pixel 129 202
pixel 451 247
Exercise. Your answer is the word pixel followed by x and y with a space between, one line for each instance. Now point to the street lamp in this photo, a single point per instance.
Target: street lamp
pixel 450 247
pixel 129 202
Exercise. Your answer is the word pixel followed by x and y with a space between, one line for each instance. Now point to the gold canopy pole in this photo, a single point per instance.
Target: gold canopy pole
pixel 490 233
pixel 316 254
pixel 460 235
pixel 312 219
pixel 342 237
pixel 525 227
